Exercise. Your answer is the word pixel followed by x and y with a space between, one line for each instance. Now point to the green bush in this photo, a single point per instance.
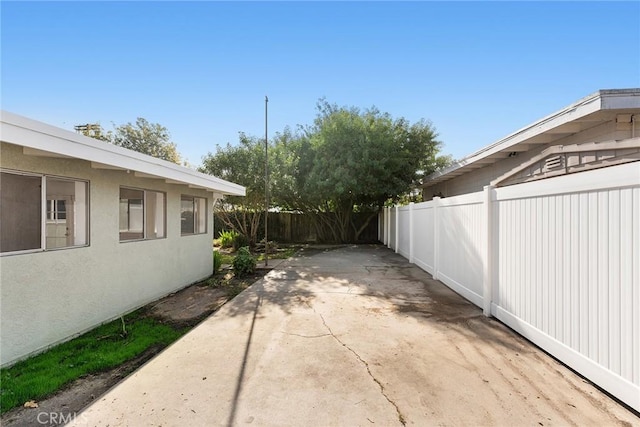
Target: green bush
pixel 244 263
pixel 217 261
pixel 240 241
pixel 227 238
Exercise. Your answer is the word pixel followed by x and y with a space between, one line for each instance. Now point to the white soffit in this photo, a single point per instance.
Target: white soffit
pixel 41 139
pixel 583 114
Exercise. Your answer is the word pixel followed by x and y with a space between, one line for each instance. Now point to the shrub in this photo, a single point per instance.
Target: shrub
pixel 227 238
pixel 240 241
pixel 217 261
pixel 244 263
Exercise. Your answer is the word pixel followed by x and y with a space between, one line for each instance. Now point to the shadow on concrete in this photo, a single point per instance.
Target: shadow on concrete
pixel 243 366
pixel 371 271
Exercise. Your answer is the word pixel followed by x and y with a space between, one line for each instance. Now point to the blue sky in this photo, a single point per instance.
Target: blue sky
pixel 477 70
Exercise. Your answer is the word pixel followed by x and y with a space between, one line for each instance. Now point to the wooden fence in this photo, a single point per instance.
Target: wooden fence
pixel 290 227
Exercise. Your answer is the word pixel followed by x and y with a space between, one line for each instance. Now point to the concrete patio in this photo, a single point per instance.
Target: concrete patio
pixel 353 336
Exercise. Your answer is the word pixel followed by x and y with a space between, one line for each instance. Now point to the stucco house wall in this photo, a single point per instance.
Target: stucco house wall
pixel 49 296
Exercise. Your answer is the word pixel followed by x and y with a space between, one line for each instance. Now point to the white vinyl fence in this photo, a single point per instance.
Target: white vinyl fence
pixel 557 260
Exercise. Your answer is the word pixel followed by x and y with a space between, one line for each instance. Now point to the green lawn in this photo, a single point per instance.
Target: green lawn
pixel 98 350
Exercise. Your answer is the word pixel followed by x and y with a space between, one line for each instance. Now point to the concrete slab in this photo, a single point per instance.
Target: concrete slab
pixel 353 336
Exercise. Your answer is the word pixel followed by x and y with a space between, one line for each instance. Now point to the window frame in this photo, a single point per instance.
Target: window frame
pixel 196 216
pixel 44 214
pixel 53 215
pixel 145 235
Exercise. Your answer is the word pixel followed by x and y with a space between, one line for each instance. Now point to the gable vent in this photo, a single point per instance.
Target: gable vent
pixel 553 163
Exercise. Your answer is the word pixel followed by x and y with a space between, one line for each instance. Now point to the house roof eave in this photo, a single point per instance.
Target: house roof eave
pixel 39 138
pixel 559 123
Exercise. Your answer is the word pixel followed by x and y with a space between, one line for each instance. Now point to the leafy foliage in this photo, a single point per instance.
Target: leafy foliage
pixel 217 261
pixel 239 241
pixel 243 164
pixel 227 237
pixel 144 137
pixel 352 161
pixel 347 161
pixel 244 263
pixel 148 138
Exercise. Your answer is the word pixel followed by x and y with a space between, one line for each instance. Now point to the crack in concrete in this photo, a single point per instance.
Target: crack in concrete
pixel 306 336
pixel 366 365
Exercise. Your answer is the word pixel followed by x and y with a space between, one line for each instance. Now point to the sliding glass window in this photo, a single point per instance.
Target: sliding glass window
pixel 35 206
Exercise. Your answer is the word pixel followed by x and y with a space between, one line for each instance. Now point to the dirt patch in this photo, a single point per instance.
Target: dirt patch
pixel 189 306
pixel 183 309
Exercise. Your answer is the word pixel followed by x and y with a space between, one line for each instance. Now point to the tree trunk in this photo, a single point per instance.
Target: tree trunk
pixel 364 226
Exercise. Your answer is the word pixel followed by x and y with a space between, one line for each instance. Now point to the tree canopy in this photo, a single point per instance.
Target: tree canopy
pixel 347 161
pixel 243 164
pixel 144 137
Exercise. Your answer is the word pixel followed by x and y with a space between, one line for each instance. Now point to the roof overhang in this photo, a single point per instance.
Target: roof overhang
pixel 588 112
pixel 41 139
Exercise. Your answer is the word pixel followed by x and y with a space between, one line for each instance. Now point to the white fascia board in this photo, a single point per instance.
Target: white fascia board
pixel 601 100
pixel 30 133
pixel 620 99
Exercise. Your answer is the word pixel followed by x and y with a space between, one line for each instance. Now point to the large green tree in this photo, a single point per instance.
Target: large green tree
pixel 353 161
pixel 347 162
pixel 142 136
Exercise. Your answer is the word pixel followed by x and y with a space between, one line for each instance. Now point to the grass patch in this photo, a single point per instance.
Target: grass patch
pixel 98 350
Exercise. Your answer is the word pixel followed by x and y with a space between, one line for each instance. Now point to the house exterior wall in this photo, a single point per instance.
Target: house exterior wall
pixel 475 180
pixel 50 296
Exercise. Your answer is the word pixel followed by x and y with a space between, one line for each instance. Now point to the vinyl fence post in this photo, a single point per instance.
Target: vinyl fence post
pixel 388 222
pixel 385 228
pixel 436 238
pixel 411 239
pixel 397 229
pixel 487 258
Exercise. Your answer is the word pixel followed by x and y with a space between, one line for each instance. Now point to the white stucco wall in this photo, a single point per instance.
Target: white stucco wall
pixel 48 297
pixel 476 179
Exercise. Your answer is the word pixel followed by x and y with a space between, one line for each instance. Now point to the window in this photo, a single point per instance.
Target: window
pixel 33 206
pixel 142 214
pixel 56 211
pixel 66 223
pixel 193 215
